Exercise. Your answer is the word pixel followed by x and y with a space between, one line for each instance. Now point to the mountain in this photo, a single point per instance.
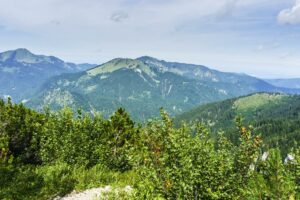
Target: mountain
pixel 287 83
pixel 275 116
pixel 22 72
pixel 144 85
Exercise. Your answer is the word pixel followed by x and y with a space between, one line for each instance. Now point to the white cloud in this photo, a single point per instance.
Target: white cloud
pixel 31 13
pixel 75 29
pixel 291 15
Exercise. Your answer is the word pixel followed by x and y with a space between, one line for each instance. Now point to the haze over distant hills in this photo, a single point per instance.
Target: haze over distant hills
pixel 287 83
pixel 22 72
pixel 145 84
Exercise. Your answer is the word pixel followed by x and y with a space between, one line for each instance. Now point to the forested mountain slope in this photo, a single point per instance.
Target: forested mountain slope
pixel 275 116
pixel 144 85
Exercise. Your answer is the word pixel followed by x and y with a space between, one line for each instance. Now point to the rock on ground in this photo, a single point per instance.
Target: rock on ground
pixel 94 194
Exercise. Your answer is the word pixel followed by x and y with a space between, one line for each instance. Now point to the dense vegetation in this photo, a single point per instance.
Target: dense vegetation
pixel 43 155
pixel 275 116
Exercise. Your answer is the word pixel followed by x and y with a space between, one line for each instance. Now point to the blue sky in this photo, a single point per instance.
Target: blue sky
pixel 257 37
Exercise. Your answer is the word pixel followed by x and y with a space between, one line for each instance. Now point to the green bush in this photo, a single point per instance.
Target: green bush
pixel 20 183
pixel 57 179
pixel 44 155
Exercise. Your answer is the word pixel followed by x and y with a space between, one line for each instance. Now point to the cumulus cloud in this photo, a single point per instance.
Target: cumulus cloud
pixel 290 15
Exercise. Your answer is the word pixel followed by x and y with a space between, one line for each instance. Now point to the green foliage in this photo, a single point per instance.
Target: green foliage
pixel 274 180
pixel 57 179
pixel 275 116
pixel 71 140
pixel 20 129
pixel 185 164
pixel 19 183
pixel 119 134
pixel 44 155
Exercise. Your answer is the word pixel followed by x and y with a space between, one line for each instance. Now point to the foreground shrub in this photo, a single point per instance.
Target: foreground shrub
pixel 57 180
pixel 20 183
pixel 44 155
pixel 186 163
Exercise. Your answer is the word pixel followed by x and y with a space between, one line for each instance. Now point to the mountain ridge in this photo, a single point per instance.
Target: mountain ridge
pixel 22 72
pixel 276 116
pixel 145 84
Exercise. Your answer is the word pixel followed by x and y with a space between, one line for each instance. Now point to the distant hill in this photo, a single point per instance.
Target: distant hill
pixel 275 116
pixel 22 72
pixel 144 85
pixel 286 83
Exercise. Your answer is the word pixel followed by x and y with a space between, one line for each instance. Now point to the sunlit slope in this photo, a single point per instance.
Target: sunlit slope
pixel 275 116
pixel 144 85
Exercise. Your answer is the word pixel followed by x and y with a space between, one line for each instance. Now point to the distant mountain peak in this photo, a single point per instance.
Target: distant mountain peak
pixel 20 55
pixel 22 72
pixel 22 50
pixel 121 63
pixel 147 58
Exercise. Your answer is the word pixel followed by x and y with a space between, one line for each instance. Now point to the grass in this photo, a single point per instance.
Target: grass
pixel 256 101
pixel 47 182
pixel 117 64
